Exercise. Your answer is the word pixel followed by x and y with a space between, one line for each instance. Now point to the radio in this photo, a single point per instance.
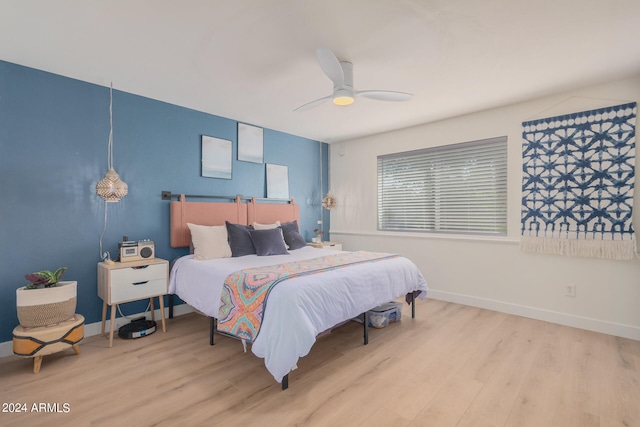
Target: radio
pixel 136 250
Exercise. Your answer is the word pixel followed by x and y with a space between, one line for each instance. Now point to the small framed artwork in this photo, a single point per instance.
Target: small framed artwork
pixel 216 157
pixel 277 181
pixel 250 143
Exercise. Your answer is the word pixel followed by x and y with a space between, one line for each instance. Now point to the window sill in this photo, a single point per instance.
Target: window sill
pixel 434 236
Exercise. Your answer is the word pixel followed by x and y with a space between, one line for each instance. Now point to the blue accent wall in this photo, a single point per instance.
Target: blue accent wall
pixel 53 150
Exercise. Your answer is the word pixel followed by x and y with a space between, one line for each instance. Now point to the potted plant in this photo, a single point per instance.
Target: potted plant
pixel 318 238
pixel 46 300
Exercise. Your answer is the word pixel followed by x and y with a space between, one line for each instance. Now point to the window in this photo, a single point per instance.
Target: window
pixel 459 188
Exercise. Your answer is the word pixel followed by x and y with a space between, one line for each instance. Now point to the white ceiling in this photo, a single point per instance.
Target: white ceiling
pixel 254 60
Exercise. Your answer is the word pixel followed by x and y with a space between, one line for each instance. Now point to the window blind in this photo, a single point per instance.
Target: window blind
pixel 459 188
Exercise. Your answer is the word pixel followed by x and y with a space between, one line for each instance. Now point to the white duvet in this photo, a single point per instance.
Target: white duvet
pixel 298 309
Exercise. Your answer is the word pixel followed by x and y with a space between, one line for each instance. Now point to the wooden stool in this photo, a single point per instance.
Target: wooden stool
pixel 38 342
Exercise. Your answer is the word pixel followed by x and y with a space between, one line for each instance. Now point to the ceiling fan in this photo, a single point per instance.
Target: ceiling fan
pixel 341 74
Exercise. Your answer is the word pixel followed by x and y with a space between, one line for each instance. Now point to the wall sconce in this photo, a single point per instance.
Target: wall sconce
pixel 329 202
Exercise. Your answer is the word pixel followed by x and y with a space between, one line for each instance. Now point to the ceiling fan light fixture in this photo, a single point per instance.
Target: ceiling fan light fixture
pixel 343 97
pixel 341 74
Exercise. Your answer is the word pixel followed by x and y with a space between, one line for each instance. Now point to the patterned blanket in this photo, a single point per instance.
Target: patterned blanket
pixel 245 292
pixel 578 179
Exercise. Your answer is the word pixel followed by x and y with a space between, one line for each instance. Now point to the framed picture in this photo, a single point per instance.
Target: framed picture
pixel 277 181
pixel 250 143
pixel 216 157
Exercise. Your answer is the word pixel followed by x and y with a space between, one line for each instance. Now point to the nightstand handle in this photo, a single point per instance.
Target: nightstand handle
pixel 140 283
pixel 141 267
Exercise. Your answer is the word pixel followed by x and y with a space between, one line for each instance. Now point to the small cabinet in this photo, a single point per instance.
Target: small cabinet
pixel 122 282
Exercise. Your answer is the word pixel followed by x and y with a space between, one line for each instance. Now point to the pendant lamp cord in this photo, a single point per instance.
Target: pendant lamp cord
pixel 321 189
pixel 105 256
pixel 110 149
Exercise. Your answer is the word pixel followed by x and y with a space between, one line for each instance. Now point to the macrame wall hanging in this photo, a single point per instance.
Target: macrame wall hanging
pixel 577 186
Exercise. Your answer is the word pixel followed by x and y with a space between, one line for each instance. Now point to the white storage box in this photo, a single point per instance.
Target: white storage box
pixel 384 314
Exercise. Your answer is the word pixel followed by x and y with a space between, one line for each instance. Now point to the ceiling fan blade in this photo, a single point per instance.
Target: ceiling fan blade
pixel 385 95
pixel 330 65
pixel 312 104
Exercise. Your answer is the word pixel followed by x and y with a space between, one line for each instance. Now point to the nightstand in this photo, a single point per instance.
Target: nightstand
pixel 327 245
pixel 123 282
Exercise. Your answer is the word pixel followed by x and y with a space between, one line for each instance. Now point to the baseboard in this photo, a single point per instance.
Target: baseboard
pixel 609 328
pixel 91 329
pixel 616 329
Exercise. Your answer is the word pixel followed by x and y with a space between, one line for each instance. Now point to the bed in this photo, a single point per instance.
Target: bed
pixel 316 288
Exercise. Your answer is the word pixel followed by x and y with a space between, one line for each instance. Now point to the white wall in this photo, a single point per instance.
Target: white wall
pixel 493 273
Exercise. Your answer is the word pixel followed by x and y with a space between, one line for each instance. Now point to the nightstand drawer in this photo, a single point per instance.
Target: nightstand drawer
pixel 138 274
pixel 334 246
pixel 135 290
pixel 327 245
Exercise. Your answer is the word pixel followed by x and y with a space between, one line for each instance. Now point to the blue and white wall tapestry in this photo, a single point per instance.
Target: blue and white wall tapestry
pixel 577 184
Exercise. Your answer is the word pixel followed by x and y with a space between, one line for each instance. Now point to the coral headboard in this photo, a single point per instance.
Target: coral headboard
pixel 202 213
pixel 216 213
pixel 267 213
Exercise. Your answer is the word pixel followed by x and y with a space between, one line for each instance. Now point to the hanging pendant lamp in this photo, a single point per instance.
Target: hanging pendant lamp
pixel 111 188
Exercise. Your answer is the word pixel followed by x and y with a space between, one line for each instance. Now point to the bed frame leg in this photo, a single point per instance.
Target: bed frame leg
pixel 170 306
pixel 212 328
pixel 285 382
pixel 365 322
pixel 413 305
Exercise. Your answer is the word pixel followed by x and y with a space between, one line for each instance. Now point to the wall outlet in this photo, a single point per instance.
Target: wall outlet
pixel 319 222
pixel 569 290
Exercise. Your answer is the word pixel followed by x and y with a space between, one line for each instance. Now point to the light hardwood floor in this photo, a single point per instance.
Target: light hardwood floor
pixel 452 365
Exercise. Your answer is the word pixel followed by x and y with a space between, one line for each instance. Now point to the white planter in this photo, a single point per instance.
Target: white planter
pixel 47 306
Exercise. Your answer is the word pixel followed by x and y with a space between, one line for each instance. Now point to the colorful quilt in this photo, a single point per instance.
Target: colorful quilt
pixel 245 292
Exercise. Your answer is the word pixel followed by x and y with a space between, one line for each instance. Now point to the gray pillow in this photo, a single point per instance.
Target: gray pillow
pixel 292 237
pixel 268 242
pixel 240 239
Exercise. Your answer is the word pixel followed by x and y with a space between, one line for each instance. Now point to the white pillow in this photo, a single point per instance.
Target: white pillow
pixel 209 241
pixel 257 226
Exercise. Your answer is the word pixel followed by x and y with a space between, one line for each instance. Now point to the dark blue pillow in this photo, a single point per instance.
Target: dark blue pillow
pixel 268 242
pixel 292 237
pixel 240 239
